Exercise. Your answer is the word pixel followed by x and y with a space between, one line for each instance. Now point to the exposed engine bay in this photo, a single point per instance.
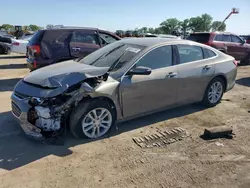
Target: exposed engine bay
pixel 50 114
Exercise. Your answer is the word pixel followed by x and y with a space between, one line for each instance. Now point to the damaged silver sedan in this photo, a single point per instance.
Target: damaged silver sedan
pixel 124 80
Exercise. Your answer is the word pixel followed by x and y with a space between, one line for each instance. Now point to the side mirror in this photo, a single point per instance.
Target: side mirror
pixel 244 41
pixel 139 71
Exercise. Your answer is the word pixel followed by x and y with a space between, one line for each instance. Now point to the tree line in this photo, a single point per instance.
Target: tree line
pixel 203 23
pixel 31 27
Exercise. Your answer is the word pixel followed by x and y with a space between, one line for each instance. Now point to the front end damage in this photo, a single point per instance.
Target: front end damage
pixel 45 118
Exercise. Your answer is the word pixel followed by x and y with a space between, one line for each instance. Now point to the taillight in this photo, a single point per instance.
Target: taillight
pixel 16 43
pixel 207 43
pixel 236 63
pixel 36 49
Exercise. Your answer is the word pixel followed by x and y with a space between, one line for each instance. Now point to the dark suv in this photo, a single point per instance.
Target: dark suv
pixel 226 42
pixel 55 45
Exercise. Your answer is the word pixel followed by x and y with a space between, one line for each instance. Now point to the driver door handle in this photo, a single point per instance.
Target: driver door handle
pixel 171 75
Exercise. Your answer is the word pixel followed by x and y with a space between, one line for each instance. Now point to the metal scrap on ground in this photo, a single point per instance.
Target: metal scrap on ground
pixel 161 138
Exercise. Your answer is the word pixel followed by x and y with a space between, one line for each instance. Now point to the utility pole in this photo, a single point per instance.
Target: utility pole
pixel 234 11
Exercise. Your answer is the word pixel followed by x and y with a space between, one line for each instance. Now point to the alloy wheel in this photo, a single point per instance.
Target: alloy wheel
pixel 215 92
pixel 97 122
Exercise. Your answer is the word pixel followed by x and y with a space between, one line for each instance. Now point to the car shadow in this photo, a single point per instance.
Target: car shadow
pixel 244 81
pixel 13 66
pixel 17 150
pixel 11 57
pixel 8 84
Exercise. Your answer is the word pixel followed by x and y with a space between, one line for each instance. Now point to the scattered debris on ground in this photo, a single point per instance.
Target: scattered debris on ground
pixel 161 138
pixel 218 132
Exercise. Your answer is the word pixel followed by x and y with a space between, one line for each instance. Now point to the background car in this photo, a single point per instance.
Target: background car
pixel 246 37
pixel 228 43
pixel 54 45
pixel 123 80
pixel 5 43
pixel 20 45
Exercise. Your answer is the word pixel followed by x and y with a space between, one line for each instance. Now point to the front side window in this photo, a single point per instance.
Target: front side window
pixel 158 58
pixel 189 53
pixel 236 39
pixel 88 38
pixel 227 38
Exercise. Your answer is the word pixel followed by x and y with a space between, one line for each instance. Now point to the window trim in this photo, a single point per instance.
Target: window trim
pixel 173 59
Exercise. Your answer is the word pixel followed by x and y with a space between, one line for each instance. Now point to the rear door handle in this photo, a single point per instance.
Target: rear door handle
pixel 207 67
pixel 76 49
pixel 171 75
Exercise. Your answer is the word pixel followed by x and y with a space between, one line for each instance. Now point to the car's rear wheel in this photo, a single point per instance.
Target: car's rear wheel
pixel 246 61
pixel 92 119
pixel 2 50
pixel 214 92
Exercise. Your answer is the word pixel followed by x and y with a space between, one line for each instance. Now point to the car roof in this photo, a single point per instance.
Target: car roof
pixel 71 27
pixel 215 32
pixel 150 41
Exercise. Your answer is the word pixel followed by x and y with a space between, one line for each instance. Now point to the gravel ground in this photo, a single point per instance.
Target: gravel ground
pixel 116 161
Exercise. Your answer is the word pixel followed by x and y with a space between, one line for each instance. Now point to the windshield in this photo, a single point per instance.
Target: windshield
pixel 114 55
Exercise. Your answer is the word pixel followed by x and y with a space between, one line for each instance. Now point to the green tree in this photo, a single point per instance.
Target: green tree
pixel 218 26
pixel 170 25
pixel 158 30
pixel 34 27
pixel 184 26
pixel 201 23
pixel 7 27
pixel 151 30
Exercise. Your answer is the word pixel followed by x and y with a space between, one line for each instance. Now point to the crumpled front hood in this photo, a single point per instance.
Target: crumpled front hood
pixel 64 74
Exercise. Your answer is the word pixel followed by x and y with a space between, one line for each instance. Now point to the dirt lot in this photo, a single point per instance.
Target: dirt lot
pixel 116 161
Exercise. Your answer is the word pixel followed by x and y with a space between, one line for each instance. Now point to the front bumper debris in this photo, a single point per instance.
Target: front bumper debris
pixel 20 109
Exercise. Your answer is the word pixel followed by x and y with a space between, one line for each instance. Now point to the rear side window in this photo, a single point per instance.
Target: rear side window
pixel 37 37
pixel 108 38
pixel 189 53
pixel 158 58
pixel 236 39
pixel 81 37
pixel 199 37
pixel 54 37
pixel 227 38
pixel 208 53
pixel 218 38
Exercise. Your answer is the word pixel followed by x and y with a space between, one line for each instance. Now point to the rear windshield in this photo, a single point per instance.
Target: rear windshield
pixel 37 37
pixel 199 37
pixel 114 55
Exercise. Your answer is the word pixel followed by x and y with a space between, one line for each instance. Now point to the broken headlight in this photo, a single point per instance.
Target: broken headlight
pixel 34 101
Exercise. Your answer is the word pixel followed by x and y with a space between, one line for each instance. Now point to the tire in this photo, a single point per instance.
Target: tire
pixel 213 101
pixel 246 61
pixel 80 115
pixel 2 50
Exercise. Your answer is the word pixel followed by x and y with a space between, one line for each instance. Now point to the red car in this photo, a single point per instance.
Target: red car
pixel 228 43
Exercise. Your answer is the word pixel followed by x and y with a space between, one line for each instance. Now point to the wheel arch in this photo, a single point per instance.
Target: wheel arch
pixel 223 77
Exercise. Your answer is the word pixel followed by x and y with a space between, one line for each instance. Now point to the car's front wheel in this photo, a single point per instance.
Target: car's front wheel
pixel 214 92
pixel 92 119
